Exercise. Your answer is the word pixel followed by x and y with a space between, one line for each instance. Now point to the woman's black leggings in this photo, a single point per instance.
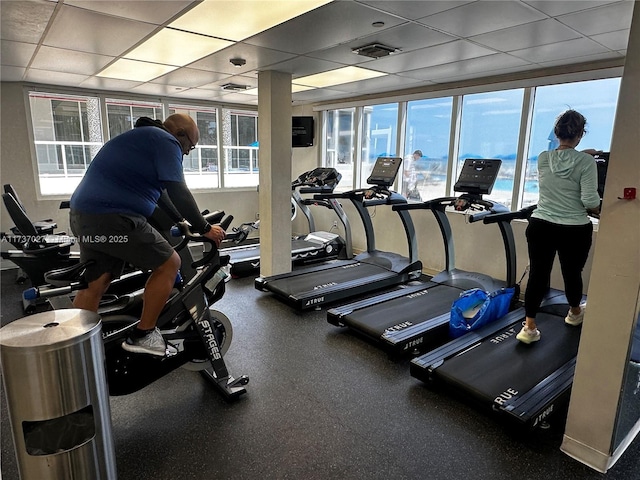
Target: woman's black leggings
pixel 572 243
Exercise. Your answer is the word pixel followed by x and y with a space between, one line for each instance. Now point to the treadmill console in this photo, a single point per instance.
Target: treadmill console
pixel 478 176
pixel 384 171
pixel 318 180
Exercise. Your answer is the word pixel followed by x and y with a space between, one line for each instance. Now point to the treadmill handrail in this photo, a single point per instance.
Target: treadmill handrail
pixel 523 213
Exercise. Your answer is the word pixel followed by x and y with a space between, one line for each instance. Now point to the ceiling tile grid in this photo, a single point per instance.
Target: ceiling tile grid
pixel 79 43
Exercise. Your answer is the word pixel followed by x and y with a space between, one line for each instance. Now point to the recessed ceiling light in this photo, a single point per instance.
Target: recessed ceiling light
pixel 126 69
pixel 236 20
pixel 338 77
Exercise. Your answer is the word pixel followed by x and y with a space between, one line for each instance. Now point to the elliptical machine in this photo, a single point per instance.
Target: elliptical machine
pixel 201 334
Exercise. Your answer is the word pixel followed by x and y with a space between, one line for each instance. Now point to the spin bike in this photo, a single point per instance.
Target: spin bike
pixel 200 334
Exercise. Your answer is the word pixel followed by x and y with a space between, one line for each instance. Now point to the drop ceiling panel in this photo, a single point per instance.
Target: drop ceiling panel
pixel 341 22
pixel 257 58
pixel 379 84
pixel 532 34
pixel 16 53
pixel 157 89
pixel 86 31
pixel 415 9
pixel 54 78
pixel 560 7
pixel 613 40
pixel 406 37
pixel 447 53
pixel 12 74
pixel 563 50
pixel 159 13
pixel 475 67
pixel 601 20
pixel 482 17
pixel 581 59
pixel 189 77
pixel 303 66
pixel 69 61
pixel 114 84
pixel 24 21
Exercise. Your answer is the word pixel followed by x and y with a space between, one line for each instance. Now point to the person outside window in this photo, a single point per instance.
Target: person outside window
pixel 568 182
pixel 109 212
pixel 410 177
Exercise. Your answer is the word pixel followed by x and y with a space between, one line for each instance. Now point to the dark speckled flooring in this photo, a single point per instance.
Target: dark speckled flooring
pixel 321 404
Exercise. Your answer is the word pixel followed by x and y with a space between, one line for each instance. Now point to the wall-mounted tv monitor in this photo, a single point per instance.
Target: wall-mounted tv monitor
pixel 302 131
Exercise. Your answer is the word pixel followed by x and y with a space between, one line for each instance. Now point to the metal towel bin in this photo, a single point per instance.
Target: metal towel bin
pixel 57 397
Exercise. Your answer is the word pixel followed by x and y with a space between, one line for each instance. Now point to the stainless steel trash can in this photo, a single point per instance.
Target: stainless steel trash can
pixel 54 378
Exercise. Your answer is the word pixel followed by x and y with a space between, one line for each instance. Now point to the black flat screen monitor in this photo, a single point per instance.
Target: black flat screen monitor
pixel 302 131
pixel 478 176
pixel 384 171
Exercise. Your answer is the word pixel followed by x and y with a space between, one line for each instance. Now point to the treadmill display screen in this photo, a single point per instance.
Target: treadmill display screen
pixel 478 176
pixel 384 171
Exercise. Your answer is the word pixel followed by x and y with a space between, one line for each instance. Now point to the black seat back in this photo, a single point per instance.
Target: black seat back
pixel 22 222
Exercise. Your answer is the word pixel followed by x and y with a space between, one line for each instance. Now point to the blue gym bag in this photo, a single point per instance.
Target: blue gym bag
pixel 476 308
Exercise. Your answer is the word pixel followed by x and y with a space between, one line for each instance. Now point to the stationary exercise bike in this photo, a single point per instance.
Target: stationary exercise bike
pixel 201 334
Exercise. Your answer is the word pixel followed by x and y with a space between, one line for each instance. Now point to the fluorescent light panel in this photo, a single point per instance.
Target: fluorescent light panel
pixel 337 77
pixel 125 69
pixel 173 47
pixel 239 19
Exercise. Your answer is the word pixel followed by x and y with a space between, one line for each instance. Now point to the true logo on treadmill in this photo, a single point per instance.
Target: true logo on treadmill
pixel 314 301
pixel 505 396
pixel 325 285
pixel 417 294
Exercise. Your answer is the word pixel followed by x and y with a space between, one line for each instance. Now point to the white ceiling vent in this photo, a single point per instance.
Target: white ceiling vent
pixel 236 87
pixel 375 50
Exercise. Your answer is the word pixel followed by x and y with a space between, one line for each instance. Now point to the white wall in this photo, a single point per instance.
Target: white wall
pixel 478 246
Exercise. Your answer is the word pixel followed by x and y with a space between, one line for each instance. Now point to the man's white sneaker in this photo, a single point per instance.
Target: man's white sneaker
pixel 152 343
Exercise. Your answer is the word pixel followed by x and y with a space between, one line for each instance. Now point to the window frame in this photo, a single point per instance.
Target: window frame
pixel 103 98
pixel 457 94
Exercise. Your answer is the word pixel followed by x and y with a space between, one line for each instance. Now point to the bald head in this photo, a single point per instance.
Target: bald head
pixel 184 129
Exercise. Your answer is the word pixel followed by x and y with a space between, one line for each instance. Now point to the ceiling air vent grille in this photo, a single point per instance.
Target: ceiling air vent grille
pixel 236 87
pixel 375 50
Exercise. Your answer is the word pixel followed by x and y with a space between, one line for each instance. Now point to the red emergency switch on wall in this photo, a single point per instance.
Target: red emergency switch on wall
pixel 629 193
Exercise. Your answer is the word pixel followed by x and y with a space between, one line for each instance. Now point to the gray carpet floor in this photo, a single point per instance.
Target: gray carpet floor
pixel 322 403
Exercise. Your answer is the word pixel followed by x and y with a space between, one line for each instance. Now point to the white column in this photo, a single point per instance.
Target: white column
pixel 614 287
pixel 274 135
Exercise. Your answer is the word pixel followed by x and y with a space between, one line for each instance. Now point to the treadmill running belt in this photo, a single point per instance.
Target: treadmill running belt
pixel 418 308
pixel 299 284
pixel 502 365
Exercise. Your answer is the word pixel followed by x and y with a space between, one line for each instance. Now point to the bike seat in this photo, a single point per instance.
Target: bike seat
pixel 62 277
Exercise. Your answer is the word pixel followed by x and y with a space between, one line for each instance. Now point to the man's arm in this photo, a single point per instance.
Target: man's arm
pixel 184 202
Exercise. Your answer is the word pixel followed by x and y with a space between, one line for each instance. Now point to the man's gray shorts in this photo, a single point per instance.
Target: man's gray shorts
pixel 114 239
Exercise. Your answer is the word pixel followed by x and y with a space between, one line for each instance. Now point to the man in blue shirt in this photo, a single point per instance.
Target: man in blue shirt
pixel 109 212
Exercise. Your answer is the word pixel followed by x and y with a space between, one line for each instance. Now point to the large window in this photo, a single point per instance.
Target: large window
pixel 123 114
pixel 490 128
pixel 67 135
pixel 426 148
pixel 596 100
pixel 339 147
pixel 201 165
pixel 486 125
pixel 380 126
pixel 240 134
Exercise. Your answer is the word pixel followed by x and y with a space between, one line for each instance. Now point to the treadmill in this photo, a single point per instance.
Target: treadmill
pixel 494 369
pixel 412 318
pixel 524 384
pixel 314 286
pixel 317 246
